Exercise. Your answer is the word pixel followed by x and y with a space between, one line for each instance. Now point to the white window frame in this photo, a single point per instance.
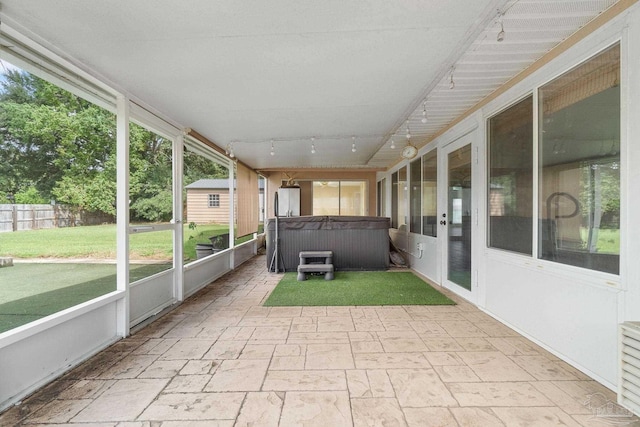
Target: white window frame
pixel 213 200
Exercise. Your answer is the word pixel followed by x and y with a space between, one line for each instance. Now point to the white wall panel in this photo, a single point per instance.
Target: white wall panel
pixel 151 295
pixel 244 252
pixel 200 273
pixel 33 361
pixel 577 321
pixel 429 263
pixel 630 158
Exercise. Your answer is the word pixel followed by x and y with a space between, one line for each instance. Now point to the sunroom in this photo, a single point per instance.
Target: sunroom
pixel 497 136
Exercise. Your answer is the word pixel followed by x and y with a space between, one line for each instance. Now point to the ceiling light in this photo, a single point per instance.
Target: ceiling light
pixel 424 112
pixel 408 132
pixel 231 153
pixel 393 144
pixel 273 152
pixel 353 144
pixel 501 33
pixel 313 145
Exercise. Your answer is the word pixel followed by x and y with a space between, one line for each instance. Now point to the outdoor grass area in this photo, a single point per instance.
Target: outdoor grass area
pixel 608 240
pixel 356 288
pixel 99 242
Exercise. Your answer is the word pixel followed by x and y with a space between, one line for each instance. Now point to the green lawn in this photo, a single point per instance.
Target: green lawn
pixel 608 240
pixel 99 242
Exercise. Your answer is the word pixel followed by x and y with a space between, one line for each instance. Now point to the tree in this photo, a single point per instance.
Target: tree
pixel 150 176
pixel 197 167
pixel 29 196
pixel 56 145
pixel 51 139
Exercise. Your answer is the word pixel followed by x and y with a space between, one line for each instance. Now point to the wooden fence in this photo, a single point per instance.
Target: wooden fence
pixel 16 217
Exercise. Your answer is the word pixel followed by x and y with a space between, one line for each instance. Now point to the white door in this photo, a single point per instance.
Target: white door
pixel 456 217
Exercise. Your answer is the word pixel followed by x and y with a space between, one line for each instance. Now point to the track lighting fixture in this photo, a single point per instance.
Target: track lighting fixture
pixel 501 33
pixel 313 145
pixel 273 152
pixel 424 112
pixel 393 144
pixel 353 144
pixel 408 132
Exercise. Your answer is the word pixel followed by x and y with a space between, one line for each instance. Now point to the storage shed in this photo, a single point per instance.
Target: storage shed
pixel 208 201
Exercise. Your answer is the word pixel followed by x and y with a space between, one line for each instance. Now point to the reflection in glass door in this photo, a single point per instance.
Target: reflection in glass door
pixel 459 221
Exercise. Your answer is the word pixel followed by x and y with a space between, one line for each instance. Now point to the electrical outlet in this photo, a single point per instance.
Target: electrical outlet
pixel 420 246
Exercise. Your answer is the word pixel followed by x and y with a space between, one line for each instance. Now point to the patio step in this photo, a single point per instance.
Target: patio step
pixel 327 269
pixel 327 255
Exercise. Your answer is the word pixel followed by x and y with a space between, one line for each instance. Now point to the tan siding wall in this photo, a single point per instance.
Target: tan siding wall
pixel 198 209
pixel 306 197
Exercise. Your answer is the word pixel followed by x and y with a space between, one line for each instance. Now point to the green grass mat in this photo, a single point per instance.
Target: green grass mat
pixel 356 288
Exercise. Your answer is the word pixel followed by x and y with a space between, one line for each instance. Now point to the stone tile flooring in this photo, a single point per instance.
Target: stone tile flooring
pixel 221 359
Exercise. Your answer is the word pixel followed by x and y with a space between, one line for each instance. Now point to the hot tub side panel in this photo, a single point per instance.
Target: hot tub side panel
pixel 357 244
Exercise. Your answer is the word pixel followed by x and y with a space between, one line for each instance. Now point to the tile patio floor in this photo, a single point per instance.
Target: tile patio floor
pixel 221 359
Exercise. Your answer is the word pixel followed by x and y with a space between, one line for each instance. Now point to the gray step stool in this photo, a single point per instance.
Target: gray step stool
pixel 326 268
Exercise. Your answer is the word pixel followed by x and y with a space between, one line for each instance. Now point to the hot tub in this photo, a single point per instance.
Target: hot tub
pixel 357 242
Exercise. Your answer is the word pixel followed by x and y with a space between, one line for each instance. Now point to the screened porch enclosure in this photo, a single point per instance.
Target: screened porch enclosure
pixel 495 137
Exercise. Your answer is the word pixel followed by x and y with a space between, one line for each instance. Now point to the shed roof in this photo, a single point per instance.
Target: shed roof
pixel 216 184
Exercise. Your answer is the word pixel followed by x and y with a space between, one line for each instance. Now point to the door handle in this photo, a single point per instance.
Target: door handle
pixel 443 222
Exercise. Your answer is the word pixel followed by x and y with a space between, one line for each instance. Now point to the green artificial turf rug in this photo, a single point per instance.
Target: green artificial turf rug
pixel 355 288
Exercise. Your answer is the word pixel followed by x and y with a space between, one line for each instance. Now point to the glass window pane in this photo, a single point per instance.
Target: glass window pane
pixel 379 198
pixel 149 253
pixel 402 198
pixel 326 198
pixel 511 178
pixel 214 200
pixel 353 198
pixel 346 198
pixel 430 193
pixel 151 203
pixel 382 198
pixel 206 224
pixel 262 185
pixel 57 198
pixel 415 196
pixel 459 207
pixel 579 134
pixel 394 200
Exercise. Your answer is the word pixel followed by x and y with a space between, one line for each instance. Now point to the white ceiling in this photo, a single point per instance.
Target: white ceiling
pixel 248 72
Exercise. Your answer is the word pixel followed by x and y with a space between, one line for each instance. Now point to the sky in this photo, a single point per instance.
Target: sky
pixel 4 67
